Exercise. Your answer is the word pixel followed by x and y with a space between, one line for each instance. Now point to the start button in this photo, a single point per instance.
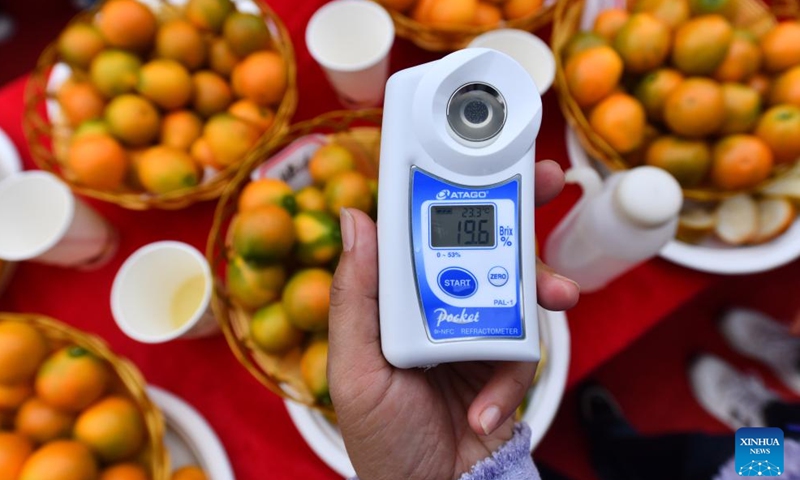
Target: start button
pixel 457 282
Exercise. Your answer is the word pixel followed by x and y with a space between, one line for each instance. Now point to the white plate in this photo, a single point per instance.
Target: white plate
pixel 548 391
pixel 322 437
pixel 188 438
pixel 712 256
pixel 326 441
pixel 10 163
pixel 716 257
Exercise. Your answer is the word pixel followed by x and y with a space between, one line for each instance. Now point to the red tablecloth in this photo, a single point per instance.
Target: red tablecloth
pixel 252 423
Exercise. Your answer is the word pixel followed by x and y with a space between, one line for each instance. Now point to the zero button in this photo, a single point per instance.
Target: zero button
pixel 498 276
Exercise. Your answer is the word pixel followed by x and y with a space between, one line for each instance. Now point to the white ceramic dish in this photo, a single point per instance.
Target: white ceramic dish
pixel 712 256
pixel 189 439
pixel 322 437
pixel 545 398
pixel 10 162
pixel 715 257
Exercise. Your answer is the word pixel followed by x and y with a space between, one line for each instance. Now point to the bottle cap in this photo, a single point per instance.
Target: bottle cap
pixel 649 196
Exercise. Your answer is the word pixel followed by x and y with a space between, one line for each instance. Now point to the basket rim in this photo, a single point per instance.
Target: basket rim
pixel 36 93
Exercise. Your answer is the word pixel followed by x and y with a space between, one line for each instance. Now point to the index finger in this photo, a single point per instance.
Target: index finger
pixel 549 181
pixel 354 330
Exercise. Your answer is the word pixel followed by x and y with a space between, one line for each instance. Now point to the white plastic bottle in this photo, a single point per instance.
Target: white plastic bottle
pixel 616 225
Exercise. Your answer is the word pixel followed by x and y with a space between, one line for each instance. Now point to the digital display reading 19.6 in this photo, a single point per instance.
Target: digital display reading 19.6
pixel 462 226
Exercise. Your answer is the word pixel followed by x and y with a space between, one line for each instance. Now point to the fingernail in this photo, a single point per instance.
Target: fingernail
pixel 489 419
pixel 348 227
pixel 569 280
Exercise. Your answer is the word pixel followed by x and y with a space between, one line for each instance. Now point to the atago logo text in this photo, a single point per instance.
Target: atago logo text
pixel 461 318
pixel 447 194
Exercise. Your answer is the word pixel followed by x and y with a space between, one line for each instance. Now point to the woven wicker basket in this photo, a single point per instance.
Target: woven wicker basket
pixel 129 383
pixel 748 14
pixel 46 140
pixel 280 374
pixel 447 39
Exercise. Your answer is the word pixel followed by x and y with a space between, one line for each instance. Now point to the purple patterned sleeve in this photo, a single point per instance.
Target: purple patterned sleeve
pixel 791 467
pixel 512 461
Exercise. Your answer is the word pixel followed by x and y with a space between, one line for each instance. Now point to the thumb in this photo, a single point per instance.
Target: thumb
pixel 354 333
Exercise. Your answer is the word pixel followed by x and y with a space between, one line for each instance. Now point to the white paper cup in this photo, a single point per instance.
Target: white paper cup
pixel 42 221
pixel 351 40
pixel 526 48
pixel 10 163
pixel 156 280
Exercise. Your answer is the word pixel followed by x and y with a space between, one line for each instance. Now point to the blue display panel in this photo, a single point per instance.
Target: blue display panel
pixel 466 258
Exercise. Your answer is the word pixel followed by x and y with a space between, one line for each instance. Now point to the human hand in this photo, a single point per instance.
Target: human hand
pixel 414 424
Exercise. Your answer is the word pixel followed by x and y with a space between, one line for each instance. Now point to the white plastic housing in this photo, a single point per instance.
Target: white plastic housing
pixel 416 134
